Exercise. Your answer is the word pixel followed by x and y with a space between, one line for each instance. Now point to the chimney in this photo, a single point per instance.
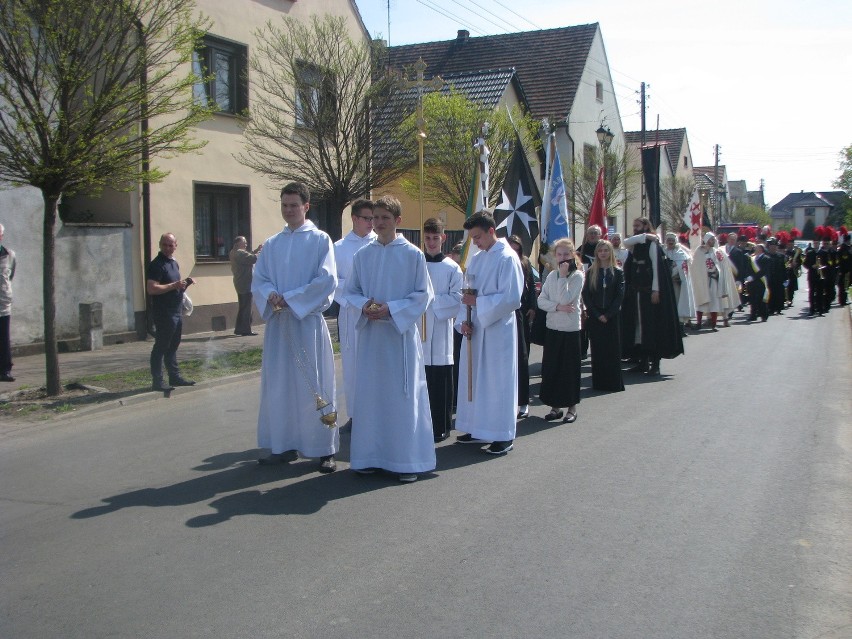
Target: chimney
pixel 462 36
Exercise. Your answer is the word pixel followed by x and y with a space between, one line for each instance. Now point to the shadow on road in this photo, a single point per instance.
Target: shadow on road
pixel 238 471
pixel 312 494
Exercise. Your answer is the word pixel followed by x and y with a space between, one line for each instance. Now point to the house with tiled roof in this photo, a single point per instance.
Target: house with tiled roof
pixel 712 183
pixel 499 88
pixel 564 74
pixel 675 161
pixel 806 209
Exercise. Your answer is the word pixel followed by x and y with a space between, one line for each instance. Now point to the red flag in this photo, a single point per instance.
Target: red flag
pixel 598 213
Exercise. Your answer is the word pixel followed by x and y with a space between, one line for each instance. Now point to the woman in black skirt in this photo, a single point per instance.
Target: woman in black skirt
pixel 603 293
pixel 560 362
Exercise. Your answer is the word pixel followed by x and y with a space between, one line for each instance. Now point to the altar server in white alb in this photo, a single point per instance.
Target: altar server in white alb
pixel 491 414
pixel 391 422
pixel 344 252
pixel 446 278
pixel 293 283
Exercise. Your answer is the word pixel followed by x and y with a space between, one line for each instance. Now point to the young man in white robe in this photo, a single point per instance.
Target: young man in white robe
pixel 391 420
pixel 446 278
pixel 293 283
pixel 490 414
pixel 344 252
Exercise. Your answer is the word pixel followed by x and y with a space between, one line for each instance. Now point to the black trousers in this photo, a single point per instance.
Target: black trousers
pixel 439 382
pixel 243 324
pixel 5 345
pixel 166 342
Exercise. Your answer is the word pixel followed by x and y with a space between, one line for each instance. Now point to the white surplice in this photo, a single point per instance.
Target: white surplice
pixel 391 420
pixel 298 360
pixel 499 282
pixel 446 278
pixel 344 253
pixel 681 267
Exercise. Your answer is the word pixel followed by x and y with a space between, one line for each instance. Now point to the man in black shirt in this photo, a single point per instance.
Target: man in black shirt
pixel 166 288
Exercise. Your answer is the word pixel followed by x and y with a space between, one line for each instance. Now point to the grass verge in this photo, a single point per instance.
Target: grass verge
pixel 33 404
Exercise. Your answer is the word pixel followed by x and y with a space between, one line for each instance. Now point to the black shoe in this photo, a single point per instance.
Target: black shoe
pixel 440 438
pixel 467 438
pixel 160 387
pixel 570 418
pixel 655 369
pixel 639 368
pixel 554 415
pixel 500 448
pixel 365 471
pixel 6 377
pixel 180 381
pixel 523 414
pixel 250 334
pixel 327 464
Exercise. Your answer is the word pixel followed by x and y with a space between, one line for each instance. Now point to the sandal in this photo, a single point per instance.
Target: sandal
pixel 570 418
pixel 553 415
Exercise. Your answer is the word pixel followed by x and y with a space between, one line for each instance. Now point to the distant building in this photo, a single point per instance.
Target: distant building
pixel 806 210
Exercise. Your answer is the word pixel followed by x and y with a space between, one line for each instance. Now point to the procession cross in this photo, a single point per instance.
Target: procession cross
pixel 420 85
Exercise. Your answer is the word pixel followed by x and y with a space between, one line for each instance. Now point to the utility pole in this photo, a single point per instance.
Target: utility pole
pixel 716 208
pixel 642 146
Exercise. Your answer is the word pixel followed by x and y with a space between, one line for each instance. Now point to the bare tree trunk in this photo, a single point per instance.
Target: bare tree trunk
pixel 51 356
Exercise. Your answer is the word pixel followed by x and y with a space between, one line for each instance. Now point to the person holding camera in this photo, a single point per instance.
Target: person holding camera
pixel 560 363
pixel 166 288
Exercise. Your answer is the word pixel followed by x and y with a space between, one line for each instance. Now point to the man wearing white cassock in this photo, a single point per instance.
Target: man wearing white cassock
pixel 491 414
pixel 391 421
pixel 293 283
pixel 344 252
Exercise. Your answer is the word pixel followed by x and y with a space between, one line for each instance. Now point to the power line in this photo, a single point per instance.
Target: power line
pixel 466 8
pixel 517 14
pixel 451 16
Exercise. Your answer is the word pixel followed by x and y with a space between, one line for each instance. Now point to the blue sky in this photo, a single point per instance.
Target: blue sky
pixel 767 81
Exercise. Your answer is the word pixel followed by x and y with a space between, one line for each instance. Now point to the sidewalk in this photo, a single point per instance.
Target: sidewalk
pixel 28 370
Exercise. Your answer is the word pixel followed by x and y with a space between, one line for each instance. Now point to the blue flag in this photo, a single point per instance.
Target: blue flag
pixel 554 215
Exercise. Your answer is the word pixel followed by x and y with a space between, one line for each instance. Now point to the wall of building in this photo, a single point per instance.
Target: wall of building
pixel 588 113
pixel 91 265
pixel 172 201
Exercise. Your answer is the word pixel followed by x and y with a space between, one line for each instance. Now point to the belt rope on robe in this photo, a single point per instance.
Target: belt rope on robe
pixel 328 416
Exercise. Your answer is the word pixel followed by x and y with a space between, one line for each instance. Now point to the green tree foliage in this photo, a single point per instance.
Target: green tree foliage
pixel 89 92
pixel 453 123
pixel 844 180
pixel 742 212
pixel 621 178
pixel 675 194
pixel 317 90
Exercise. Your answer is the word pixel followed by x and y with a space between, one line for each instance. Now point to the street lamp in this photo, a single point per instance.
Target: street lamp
pixel 605 136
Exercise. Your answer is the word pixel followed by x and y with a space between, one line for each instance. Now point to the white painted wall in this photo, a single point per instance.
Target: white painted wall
pixel 91 265
pixel 588 113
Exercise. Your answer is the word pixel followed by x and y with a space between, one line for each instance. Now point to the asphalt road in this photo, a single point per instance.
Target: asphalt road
pixel 713 502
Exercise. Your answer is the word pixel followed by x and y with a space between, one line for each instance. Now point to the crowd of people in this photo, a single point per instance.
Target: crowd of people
pixel 428 347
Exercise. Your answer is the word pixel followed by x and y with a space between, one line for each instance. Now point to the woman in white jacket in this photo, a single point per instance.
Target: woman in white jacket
pixel 560 364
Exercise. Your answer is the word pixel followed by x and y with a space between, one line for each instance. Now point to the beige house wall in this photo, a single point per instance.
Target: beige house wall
pixel 172 201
